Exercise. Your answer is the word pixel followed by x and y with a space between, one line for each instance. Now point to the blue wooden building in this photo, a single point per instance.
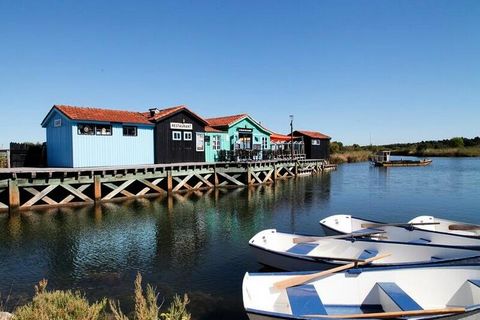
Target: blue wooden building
pixel 85 137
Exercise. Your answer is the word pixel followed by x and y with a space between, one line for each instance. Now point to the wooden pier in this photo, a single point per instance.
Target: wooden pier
pixel 27 188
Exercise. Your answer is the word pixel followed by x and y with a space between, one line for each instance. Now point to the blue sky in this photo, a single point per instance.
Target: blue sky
pixel 395 71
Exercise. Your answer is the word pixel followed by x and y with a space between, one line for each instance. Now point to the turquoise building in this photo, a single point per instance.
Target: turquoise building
pixel 86 137
pixel 236 133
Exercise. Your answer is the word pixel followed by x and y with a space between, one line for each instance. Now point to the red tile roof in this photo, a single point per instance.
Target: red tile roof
pixel 274 137
pixel 163 113
pixel 104 115
pixel 313 134
pixel 210 129
pixel 225 121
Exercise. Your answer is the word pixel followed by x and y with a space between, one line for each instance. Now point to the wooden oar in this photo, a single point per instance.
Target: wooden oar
pixel 463 227
pixel 340 236
pixel 377 225
pixel 389 315
pixel 296 280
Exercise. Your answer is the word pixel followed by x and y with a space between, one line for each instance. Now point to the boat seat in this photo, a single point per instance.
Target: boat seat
pixel 475 282
pixel 366 254
pixel 399 297
pixel 467 294
pixel 302 248
pixel 420 241
pixel 304 300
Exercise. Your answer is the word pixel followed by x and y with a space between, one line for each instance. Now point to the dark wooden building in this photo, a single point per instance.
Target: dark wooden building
pixel 179 135
pixel 317 145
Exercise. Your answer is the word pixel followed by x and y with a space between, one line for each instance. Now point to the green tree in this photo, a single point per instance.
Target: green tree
pixel 456 142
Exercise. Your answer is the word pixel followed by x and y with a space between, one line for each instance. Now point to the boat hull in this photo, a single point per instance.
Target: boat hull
pixel 404 163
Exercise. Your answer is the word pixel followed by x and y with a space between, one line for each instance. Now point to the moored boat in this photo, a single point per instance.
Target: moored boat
pixel 293 252
pixel 447 292
pixel 447 226
pixel 432 231
pixel 382 159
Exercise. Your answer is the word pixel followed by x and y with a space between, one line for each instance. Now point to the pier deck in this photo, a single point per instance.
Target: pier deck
pixel 25 188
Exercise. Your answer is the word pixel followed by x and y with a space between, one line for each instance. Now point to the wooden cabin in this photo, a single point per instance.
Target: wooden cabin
pixel 86 137
pixel 216 144
pixel 317 145
pixel 282 146
pixel 179 135
pixel 247 138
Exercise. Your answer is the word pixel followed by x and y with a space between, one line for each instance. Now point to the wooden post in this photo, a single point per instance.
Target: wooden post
pixel 97 188
pixel 215 177
pixel 274 173
pixel 295 171
pixel 249 176
pixel 8 158
pixel 169 182
pixel 13 195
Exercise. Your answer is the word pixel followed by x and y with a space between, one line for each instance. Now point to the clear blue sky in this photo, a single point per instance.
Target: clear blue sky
pixel 399 71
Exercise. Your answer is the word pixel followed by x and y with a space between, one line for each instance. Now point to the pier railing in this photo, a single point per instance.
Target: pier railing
pixel 24 188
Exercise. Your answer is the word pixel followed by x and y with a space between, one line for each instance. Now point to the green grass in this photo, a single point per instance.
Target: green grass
pixel 443 152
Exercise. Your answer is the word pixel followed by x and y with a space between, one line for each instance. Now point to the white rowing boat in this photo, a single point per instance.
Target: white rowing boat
pixel 294 252
pixel 432 231
pixel 448 292
pixel 443 225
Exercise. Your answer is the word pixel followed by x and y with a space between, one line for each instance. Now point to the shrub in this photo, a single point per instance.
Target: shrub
pixel 61 305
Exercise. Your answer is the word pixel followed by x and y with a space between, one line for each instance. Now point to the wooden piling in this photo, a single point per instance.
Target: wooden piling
pixel 13 195
pixel 169 182
pixel 97 188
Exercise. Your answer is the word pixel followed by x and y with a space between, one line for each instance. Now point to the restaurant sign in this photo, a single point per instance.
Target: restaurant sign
pixel 181 126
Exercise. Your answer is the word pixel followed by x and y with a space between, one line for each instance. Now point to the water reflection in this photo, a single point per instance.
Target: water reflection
pixel 193 242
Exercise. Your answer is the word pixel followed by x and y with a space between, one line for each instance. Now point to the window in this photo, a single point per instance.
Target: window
pixel 103 130
pixel 315 142
pixel 86 129
pixel 200 141
pixel 176 135
pixel 130 131
pixel 187 135
pixel 216 144
pixel 57 123
pixel 264 143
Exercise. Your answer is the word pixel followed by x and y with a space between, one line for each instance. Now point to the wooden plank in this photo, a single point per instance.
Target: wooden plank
pixel 79 191
pixel 151 186
pixel 183 182
pixel 231 178
pixel 39 195
pixel 205 179
pixel 118 189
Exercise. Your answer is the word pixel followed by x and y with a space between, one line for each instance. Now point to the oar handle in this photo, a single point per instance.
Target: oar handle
pixel 296 280
pixel 389 315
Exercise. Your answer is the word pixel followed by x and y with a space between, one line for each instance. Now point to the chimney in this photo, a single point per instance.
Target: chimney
pixel 153 111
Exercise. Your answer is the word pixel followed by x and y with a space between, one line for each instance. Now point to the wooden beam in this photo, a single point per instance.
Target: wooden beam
pixel 118 189
pixel 182 183
pixel 97 188
pixel 76 192
pixel 232 178
pixel 13 195
pixel 151 186
pixel 39 195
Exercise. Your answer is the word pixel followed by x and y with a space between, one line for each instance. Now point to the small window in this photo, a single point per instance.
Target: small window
pixel 86 129
pixel 264 143
pixel 187 135
pixel 130 131
pixel 216 144
pixel 103 130
pixel 57 123
pixel 315 142
pixel 176 135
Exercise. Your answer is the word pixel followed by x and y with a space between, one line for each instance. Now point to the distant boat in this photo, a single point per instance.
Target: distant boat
pixel 382 159
pixel 293 252
pixel 447 293
pixel 435 230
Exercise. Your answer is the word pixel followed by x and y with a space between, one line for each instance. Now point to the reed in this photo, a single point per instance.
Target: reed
pixel 350 156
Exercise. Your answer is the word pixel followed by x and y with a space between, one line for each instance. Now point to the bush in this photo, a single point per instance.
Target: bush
pixel 61 305
pixel 456 142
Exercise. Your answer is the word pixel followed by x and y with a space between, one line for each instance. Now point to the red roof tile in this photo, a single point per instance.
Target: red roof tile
pixel 210 129
pixel 225 121
pixel 313 134
pixel 274 137
pixel 104 115
pixel 163 113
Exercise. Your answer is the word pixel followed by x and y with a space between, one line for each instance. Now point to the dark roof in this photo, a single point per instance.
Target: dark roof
pixel 101 115
pixel 312 134
pixel 164 113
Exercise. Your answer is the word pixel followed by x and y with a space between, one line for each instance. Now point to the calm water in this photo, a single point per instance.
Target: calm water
pixel 197 243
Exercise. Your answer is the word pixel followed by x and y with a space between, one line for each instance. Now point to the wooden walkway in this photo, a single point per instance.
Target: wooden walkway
pixel 25 188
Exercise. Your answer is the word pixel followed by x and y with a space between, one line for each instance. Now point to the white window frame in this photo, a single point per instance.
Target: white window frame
pixel 316 142
pixel 264 143
pixel 216 142
pixel 187 136
pixel 177 135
